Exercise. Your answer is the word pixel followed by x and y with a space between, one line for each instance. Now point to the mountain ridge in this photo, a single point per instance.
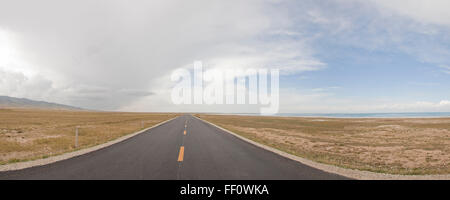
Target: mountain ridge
pixel 14 102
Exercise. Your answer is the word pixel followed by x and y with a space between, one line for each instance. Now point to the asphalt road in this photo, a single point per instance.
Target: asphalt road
pixel 168 152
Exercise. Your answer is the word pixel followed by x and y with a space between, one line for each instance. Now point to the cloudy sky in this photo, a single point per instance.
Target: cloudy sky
pixel 334 55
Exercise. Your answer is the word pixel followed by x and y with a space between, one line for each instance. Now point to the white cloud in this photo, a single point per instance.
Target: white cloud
pixel 119 55
pixel 444 103
pixel 430 11
pixel 19 84
pixel 289 57
pixel 324 101
pixel 104 50
pixel 445 69
pixel 415 28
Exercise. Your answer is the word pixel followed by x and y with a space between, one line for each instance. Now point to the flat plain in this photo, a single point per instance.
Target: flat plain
pixel 27 134
pixel 409 146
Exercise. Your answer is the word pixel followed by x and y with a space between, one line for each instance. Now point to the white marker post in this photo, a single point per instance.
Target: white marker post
pixel 76 137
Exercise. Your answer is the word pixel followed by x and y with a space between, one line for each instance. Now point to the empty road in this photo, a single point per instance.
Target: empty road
pixel 183 148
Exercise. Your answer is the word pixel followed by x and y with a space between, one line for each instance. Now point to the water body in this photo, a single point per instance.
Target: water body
pixel 362 115
pixel 370 115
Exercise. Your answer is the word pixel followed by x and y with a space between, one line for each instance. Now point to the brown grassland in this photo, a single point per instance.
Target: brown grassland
pixel 396 146
pixel 27 134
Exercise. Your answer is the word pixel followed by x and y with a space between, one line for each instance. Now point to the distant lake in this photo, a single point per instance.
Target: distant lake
pixel 368 115
pixel 357 115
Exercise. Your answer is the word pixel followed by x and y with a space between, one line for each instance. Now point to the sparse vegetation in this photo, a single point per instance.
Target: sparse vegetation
pixel 396 146
pixel 27 134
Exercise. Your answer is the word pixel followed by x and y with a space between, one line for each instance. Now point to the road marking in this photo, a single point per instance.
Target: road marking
pixel 181 155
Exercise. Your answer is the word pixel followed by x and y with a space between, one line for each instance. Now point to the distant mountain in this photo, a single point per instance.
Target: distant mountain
pixel 12 102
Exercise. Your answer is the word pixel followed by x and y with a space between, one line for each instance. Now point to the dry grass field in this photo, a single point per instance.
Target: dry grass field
pixel 396 146
pixel 27 134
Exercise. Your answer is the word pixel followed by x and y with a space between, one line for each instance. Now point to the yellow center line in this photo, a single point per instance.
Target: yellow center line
pixel 181 155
